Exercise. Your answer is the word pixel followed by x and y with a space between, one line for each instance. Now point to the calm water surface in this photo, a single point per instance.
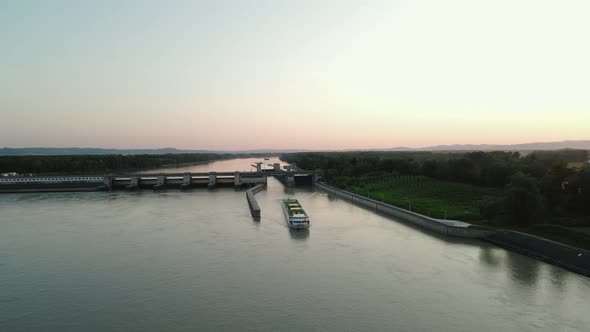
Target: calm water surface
pixel 186 261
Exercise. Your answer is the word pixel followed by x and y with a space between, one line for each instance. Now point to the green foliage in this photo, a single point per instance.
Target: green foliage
pixel 522 203
pixel 567 155
pixel 76 164
pixel 585 230
pixel 431 197
pixel 579 188
pixel 536 188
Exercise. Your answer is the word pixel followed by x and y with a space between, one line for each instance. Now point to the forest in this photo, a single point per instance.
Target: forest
pixel 78 164
pixel 504 188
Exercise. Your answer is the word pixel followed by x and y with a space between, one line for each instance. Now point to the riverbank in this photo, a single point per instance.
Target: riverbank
pixel 442 226
pixel 570 258
pixel 571 236
pixel 99 164
pixel 451 200
pixel 427 196
pixel 485 188
pixel 184 164
pixel 559 254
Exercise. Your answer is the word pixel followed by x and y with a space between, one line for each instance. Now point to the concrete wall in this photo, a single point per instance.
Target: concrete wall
pixel 257 189
pixel 440 226
pixel 247 180
pixel 573 259
pixel 254 208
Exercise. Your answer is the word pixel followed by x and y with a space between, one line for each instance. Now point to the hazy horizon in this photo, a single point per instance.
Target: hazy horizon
pixel 558 145
pixel 241 75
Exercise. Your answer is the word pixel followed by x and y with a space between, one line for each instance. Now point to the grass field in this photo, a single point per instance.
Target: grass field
pixel 577 165
pixel 458 201
pixel 585 230
pixel 434 198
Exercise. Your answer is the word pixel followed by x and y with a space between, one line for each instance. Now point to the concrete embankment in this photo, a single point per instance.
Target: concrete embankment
pixel 446 227
pixel 571 258
pixel 254 208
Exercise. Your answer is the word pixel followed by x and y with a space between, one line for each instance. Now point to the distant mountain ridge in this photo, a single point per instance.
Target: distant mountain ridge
pixel 46 151
pixel 582 145
pixel 89 151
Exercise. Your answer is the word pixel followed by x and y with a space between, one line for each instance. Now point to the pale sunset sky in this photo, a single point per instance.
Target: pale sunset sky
pixel 230 75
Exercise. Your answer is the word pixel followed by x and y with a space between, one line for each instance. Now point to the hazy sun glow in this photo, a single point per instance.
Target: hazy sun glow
pixel 293 74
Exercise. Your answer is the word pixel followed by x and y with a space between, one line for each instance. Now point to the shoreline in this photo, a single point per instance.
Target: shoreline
pixel 184 164
pixel 127 170
pixel 570 258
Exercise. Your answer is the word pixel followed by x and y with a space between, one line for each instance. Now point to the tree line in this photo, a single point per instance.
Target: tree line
pixel 538 187
pixel 77 164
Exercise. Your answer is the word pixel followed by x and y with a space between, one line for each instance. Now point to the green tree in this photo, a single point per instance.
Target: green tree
pixel 523 203
pixel 553 187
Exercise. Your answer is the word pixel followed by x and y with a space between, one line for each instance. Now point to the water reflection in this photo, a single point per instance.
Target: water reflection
pixel 298 189
pixel 332 198
pixel 522 269
pixel 558 277
pixel 301 234
pixel 488 256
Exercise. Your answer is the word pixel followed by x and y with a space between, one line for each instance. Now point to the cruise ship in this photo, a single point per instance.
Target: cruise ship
pixel 295 215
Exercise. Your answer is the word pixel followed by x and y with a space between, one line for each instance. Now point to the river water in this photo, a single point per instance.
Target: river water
pixel 186 261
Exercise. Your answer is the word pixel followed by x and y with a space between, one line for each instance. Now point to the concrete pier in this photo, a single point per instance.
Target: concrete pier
pixel 186 181
pixel 290 180
pixel 237 180
pixel 107 183
pixel 212 180
pixel 254 208
pixel 133 183
pixel 160 182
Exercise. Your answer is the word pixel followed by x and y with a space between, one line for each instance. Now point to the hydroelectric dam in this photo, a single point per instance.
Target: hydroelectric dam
pixel 135 181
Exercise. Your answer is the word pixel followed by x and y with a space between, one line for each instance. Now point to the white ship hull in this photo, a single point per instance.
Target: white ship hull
pixel 297 221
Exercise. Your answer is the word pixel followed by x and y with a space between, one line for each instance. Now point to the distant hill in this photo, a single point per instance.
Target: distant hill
pixel 89 151
pixel 42 151
pixel 581 145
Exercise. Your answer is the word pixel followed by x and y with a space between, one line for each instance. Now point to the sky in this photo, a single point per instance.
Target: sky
pixel 231 75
